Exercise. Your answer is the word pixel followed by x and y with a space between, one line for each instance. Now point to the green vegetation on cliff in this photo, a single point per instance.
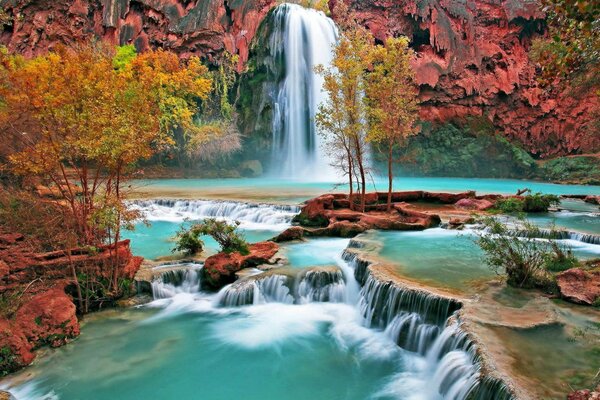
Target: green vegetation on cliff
pixel 471 149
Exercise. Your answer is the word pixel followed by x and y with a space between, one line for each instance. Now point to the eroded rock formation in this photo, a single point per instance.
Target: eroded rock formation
pixel 473 61
pixel 220 269
pixel 472 54
pixel 36 310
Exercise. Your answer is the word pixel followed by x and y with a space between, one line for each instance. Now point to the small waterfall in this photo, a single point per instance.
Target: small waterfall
pixel 264 215
pixel 172 282
pixel 423 322
pixel 268 289
pixel 302 38
pixel 315 285
pixel 322 286
pixel 585 237
pixel 543 233
pixel 274 289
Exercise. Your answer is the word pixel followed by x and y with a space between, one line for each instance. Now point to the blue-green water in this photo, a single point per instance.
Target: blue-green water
pixel 294 191
pixel 156 240
pixel 187 349
pixel 316 252
pixel 446 258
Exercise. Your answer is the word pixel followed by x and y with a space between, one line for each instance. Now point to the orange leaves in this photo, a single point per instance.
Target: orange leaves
pixel 391 94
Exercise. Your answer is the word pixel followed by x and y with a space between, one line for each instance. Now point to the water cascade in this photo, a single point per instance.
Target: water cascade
pixel 543 233
pixel 325 284
pixel 302 38
pixel 425 323
pixel 249 214
pixel 181 280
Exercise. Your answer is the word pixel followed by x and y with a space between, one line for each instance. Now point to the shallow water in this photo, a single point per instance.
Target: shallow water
pixel 295 191
pixel 269 352
pixel 447 258
pixel 157 239
pixel 325 251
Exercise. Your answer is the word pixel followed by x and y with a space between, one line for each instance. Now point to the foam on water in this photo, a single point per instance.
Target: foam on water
pixel 250 215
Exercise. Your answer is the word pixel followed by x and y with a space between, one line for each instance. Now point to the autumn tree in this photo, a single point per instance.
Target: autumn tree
pixel 341 118
pixel 81 117
pixel 217 135
pixel 572 47
pixel 391 98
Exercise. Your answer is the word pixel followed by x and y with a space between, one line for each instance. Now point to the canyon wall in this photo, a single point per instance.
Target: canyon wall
pixel 35 308
pixel 472 54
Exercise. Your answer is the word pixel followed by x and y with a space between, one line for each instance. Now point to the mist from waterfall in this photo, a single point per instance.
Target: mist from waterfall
pixel 302 39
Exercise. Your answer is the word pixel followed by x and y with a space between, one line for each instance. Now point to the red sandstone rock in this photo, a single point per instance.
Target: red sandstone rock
pixel 579 286
pixel 592 199
pixel 45 314
pixel 585 394
pixel 472 58
pixel 48 318
pixel 220 268
pixel 290 234
pixel 474 204
pixel 334 219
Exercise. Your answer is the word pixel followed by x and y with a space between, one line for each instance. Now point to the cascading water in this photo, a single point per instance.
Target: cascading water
pixel 249 214
pixel 184 279
pixel 302 38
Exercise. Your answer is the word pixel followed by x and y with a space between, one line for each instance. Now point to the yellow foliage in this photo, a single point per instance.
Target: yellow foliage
pixel 73 109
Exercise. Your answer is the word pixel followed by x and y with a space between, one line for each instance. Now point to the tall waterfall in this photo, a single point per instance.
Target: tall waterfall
pixel 302 38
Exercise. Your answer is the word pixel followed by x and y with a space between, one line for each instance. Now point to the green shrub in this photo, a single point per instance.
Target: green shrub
pixel 582 169
pixel 187 242
pixel 225 234
pixel 539 202
pixel 509 205
pixel 518 253
pixel 470 149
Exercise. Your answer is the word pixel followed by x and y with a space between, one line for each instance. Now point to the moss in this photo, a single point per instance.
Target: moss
pixel 583 169
pixel 319 221
pixel 469 149
pixel 8 361
pixel 38 320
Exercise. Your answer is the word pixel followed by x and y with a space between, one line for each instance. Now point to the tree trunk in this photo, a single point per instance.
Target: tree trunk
pixel 390 177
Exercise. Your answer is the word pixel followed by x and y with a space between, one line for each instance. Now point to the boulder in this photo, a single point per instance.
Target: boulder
pixel 220 269
pixel 585 394
pixel 49 318
pixel 579 286
pixel 592 199
pixel 290 234
pixel 474 204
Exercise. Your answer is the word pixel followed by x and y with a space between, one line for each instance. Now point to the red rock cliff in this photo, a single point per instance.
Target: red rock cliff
pixel 35 309
pixel 473 60
pixel 472 54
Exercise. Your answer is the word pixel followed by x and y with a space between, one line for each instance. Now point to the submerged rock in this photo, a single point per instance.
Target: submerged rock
pixel 220 269
pixel 474 204
pixel 579 286
pixel 585 394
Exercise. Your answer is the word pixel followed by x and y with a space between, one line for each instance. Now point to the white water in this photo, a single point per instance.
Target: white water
pixel 440 361
pixel 305 38
pixel 250 215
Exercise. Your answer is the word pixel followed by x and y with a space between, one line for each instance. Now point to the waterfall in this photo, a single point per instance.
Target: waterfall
pixel 181 280
pixel 322 285
pixel 543 233
pixel 314 285
pixel 424 323
pixel 251 215
pixel 302 38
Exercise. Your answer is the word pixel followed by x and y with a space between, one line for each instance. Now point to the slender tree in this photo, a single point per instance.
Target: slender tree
pixel 341 119
pixel 391 98
pixel 82 117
